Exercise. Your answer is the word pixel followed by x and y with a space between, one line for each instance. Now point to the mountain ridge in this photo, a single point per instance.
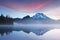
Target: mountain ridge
pixel 38 18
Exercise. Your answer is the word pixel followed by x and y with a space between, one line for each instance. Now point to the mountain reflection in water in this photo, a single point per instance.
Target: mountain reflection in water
pixel 28 33
pixel 8 29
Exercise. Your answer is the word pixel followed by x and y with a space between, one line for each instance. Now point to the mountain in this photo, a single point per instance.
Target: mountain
pixel 35 19
pixel 27 19
pixel 40 16
pixel 16 19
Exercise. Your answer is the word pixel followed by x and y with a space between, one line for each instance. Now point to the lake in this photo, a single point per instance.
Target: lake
pixel 13 32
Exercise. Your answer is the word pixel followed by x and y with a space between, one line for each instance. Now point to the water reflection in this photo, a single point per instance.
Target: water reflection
pixel 52 35
pixel 28 33
pixel 7 29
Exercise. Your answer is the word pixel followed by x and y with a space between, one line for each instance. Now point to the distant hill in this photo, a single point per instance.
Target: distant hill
pixel 38 18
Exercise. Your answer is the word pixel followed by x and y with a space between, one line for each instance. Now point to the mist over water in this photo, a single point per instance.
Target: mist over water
pixel 30 32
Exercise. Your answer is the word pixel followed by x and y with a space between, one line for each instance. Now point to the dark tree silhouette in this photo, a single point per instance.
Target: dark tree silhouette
pixel 5 20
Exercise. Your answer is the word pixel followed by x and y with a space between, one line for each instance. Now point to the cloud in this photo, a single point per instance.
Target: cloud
pixel 27 5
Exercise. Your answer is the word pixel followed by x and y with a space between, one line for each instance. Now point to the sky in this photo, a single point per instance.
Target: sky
pixel 21 8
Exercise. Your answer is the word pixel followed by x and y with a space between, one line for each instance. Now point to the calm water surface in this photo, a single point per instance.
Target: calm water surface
pixel 29 33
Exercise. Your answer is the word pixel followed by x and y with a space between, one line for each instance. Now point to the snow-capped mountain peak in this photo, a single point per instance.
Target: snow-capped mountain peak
pixel 39 15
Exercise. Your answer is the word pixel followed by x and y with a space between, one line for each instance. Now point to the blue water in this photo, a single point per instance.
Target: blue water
pixel 28 33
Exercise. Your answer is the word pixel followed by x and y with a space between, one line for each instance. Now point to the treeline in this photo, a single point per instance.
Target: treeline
pixel 5 20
